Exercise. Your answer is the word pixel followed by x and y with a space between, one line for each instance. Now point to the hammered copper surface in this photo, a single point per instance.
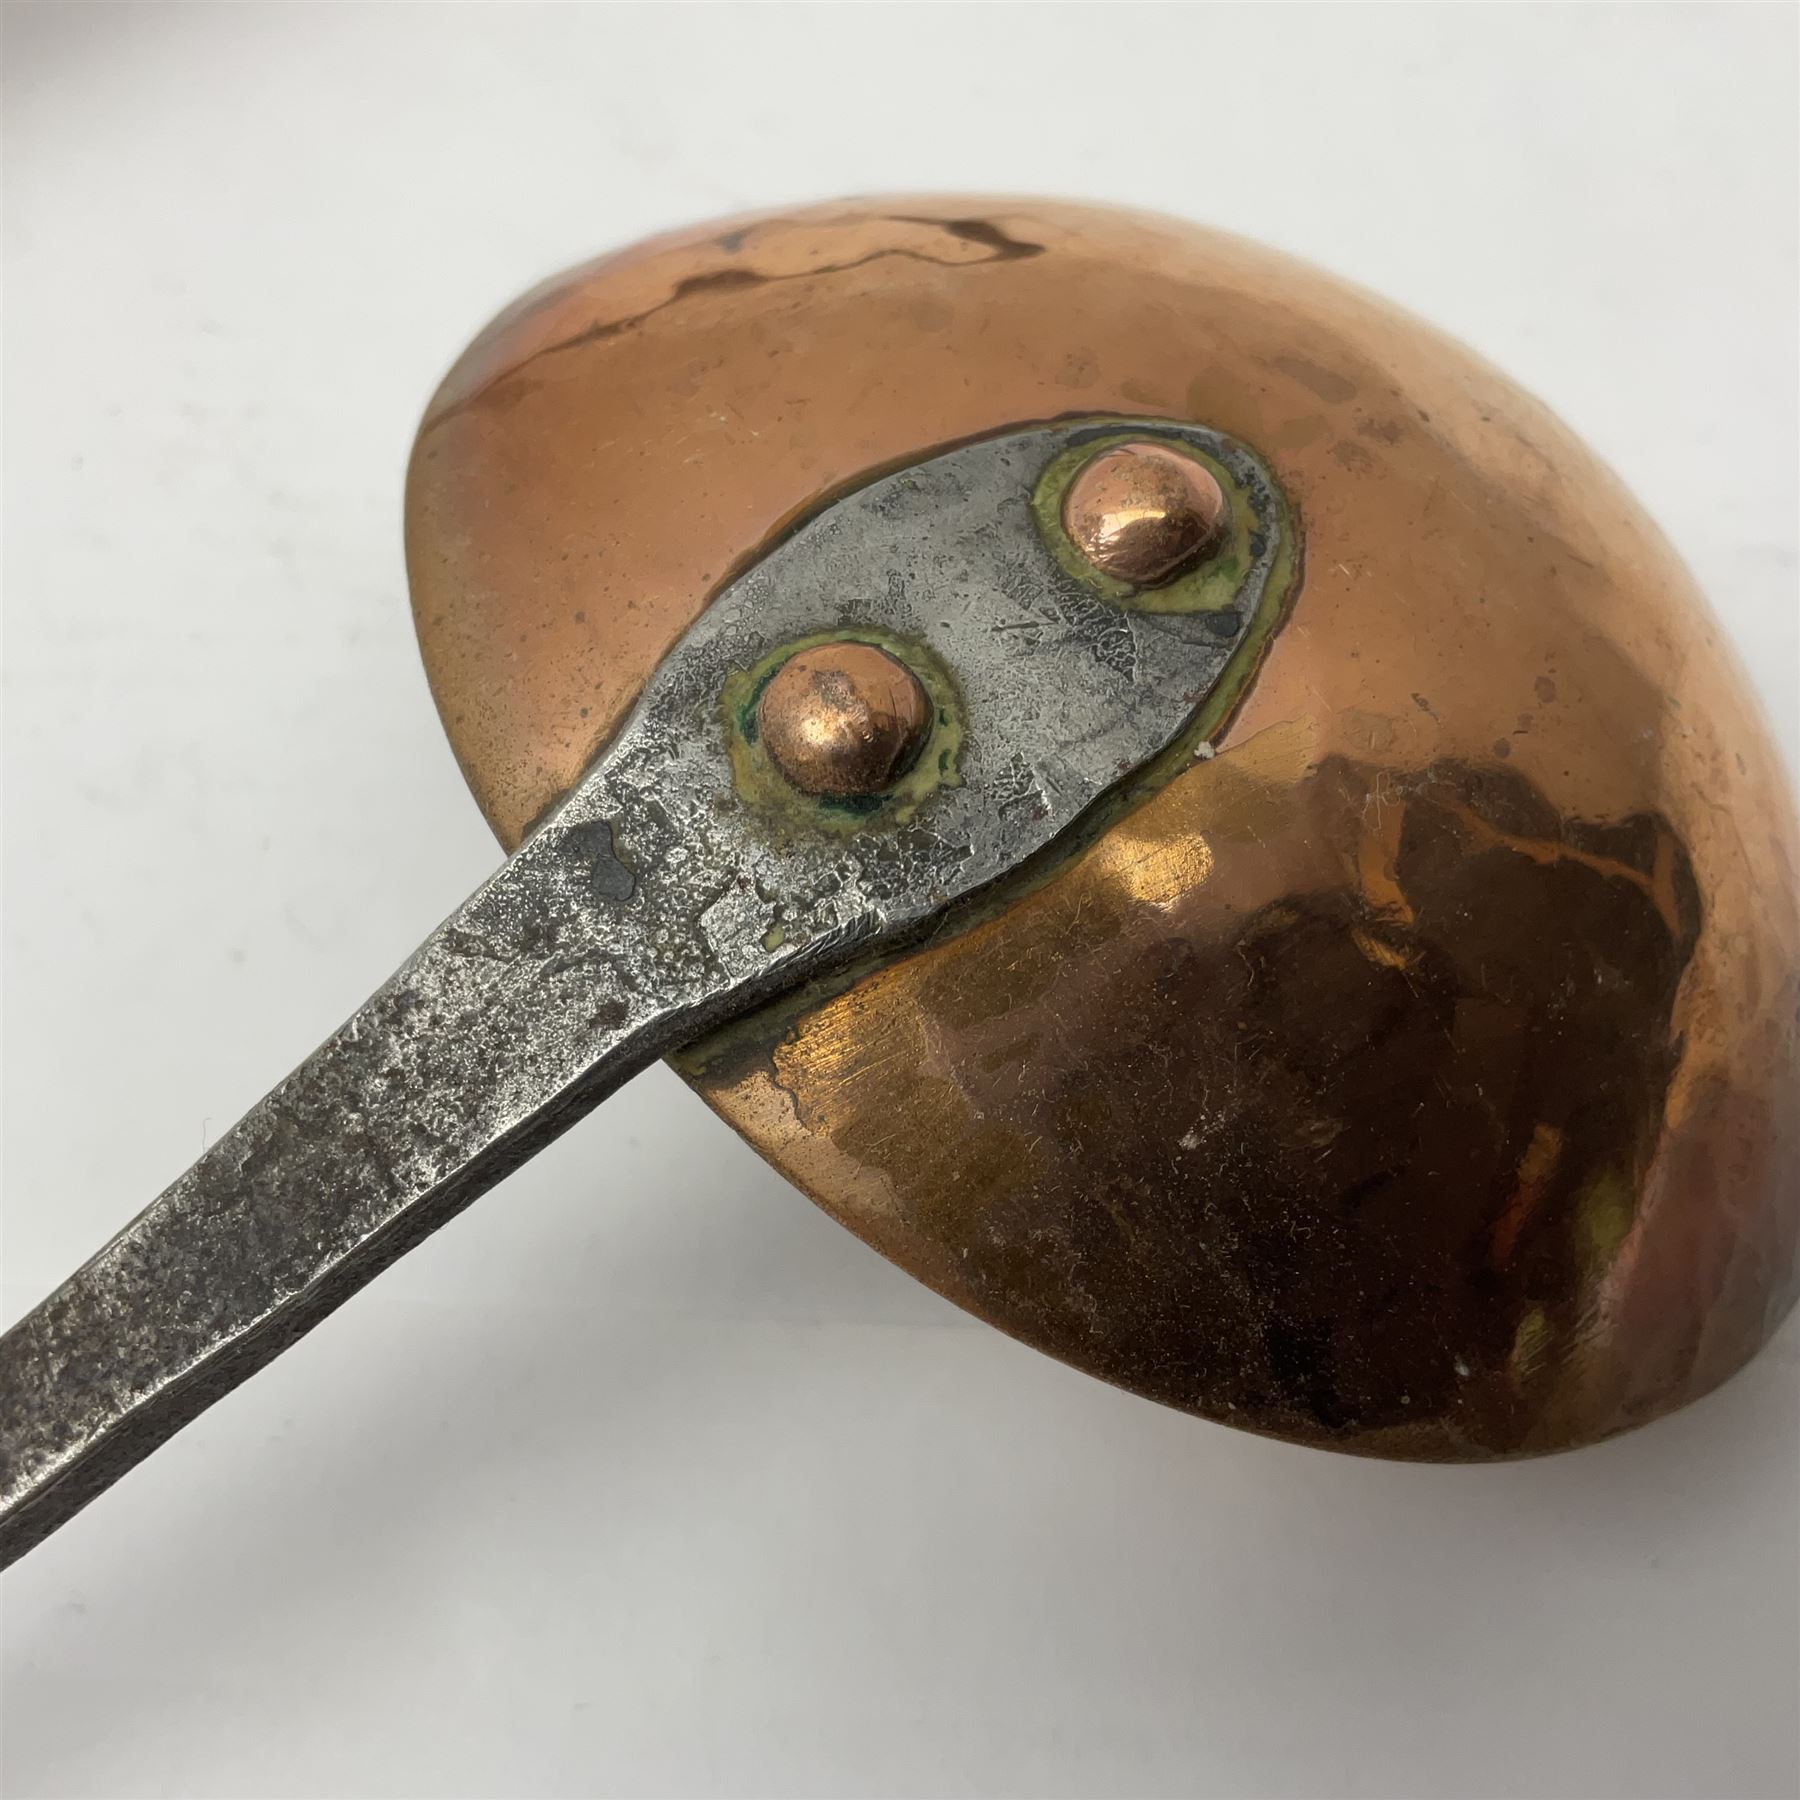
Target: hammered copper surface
pixel 1417 1075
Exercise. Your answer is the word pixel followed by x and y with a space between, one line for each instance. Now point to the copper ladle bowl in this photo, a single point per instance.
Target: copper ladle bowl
pixel 1416 1075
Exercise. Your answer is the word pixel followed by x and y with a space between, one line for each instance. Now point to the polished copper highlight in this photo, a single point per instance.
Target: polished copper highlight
pixel 844 720
pixel 1143 513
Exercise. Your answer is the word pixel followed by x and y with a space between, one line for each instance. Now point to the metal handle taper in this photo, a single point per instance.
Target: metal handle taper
pixel 679 885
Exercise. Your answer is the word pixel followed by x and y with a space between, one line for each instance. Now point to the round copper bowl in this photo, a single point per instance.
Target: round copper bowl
pixel 1416 1074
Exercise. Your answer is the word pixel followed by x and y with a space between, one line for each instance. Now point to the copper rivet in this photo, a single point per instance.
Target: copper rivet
pixel 844 719
pixel 1142 513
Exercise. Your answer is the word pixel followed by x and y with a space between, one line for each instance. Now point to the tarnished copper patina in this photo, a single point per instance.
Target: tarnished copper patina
pixel 1415 1073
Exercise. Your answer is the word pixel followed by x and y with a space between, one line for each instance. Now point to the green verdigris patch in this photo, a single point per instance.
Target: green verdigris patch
pixel 1210 586
pixel 758 781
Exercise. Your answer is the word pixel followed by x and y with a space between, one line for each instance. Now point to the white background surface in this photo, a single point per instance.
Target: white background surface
pixel 644 1477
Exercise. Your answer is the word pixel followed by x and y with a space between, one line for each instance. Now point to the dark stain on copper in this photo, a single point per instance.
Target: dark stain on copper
pixel 1327 384
pixel 1422 1105
pixel 979 231
pixel 972 231
pixel 1387 431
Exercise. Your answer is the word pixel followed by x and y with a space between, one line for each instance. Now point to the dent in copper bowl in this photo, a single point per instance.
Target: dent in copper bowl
pixel 1415 1074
